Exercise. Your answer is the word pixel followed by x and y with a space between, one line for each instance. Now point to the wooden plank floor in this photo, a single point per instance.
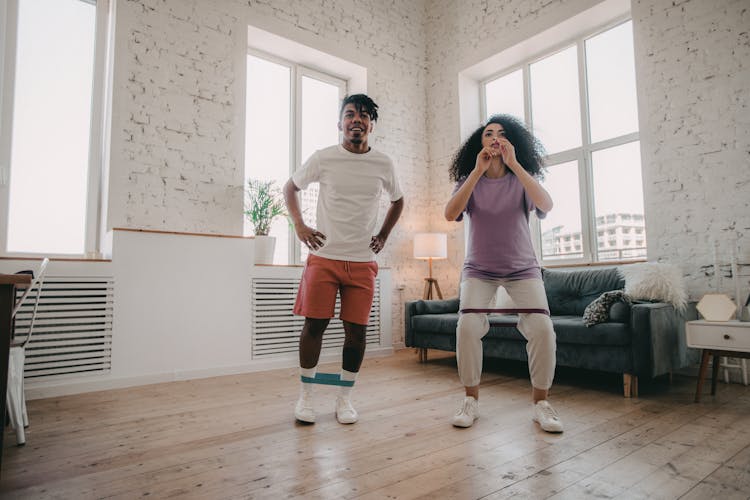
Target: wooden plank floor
pixel 235 437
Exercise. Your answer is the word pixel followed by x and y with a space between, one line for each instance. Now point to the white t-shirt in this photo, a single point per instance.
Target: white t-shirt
pixel 351 186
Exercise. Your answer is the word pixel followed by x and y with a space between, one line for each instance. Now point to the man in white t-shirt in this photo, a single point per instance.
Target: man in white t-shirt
pixel 352 178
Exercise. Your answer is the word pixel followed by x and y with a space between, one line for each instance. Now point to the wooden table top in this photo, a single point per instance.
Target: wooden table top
pixel 15 279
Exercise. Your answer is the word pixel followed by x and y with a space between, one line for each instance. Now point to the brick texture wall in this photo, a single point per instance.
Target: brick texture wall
pixel 176 154
pixel 460 34
pixel 174 168
pixel 175 146
pixel 693 79
pixel 693 74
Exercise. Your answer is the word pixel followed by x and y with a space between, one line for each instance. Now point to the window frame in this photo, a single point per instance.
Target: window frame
pixel 99 134
pixel 296 72
pixel 582 155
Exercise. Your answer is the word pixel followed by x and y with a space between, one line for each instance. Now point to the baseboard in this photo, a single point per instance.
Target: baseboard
pixel 93 383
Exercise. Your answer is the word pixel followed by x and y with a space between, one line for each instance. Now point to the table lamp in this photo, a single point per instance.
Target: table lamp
pixel 431 246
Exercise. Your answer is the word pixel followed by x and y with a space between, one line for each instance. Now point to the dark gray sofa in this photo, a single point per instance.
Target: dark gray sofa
pixel 645 339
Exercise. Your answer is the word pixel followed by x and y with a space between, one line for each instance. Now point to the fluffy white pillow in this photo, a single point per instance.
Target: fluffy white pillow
pixel 654 281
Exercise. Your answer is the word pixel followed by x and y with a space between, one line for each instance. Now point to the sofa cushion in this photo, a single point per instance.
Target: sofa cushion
pixel 504 332
pixel 569 329
pixel 503 326
pixel 444 324
pixel 569 292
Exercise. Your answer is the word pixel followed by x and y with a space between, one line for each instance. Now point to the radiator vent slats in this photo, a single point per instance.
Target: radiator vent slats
pixel 276 330
pixel 73 328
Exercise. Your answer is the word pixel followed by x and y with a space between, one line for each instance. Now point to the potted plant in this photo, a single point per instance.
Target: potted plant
pixel 263 204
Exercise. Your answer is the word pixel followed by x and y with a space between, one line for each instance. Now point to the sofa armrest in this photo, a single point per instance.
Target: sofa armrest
pixel 410 309
pixel 659 345
pixel 417 307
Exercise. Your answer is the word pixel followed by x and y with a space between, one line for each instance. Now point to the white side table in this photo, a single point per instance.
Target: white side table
pixel 717 338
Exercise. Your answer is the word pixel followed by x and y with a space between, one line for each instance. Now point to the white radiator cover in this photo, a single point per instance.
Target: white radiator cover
pixel 276 330
pixel 172 307
pixel 73 329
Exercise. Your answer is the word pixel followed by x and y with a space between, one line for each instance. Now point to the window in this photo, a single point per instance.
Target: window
pixel 53 108
pixel 580 101
pixel 291 112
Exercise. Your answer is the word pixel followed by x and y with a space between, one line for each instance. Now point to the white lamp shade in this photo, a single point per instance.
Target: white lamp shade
pixel 430 245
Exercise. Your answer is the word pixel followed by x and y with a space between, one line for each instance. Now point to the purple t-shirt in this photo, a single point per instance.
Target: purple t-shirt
pixel 499 235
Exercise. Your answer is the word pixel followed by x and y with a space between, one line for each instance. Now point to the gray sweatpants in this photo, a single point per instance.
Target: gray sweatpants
pixel 537 328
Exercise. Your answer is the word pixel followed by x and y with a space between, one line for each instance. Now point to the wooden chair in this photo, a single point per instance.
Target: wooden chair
pixel 16 398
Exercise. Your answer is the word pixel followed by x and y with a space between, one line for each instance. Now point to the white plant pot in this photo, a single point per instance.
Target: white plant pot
pixel 264 247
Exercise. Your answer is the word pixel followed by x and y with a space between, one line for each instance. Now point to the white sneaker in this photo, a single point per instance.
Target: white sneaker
pixel 547 417
pixel 303 410
pixel 467 413
pixel 345 412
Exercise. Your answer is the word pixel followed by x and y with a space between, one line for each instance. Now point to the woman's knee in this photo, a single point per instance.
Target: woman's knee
pixel 538 328
pixel 470 331
pixel 472 324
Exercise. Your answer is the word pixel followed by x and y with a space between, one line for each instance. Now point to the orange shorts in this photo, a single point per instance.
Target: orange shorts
pixel 323 278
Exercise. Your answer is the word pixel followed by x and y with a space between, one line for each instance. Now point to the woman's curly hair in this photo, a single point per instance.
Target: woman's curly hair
pixel 529 151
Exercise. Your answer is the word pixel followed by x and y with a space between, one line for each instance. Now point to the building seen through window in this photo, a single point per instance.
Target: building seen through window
pixel 580 101
pixel 616 245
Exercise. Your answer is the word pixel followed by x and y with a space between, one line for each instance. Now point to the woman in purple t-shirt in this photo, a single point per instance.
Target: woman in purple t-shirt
pixel 496 173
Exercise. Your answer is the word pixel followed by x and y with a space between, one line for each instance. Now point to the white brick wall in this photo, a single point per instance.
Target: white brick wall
pixel 694 90
pixel 174 86
pixel 693 82
pixel 176 145
pixel 459 35
pixel 176 150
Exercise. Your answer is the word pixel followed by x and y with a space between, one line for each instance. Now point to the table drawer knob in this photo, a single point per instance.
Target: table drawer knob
pixel 727 336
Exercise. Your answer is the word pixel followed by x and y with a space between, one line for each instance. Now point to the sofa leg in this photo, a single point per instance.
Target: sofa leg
pixel 422 353
pixel 630 385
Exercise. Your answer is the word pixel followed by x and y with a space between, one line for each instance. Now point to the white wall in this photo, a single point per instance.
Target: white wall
pixel 693 68
pixel 182 309
pixel 177 132
pixel 177 124
pixel 181 304
pixel 459 36
pixel 693 80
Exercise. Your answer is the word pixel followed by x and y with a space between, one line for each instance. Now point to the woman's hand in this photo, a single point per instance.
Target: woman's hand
pixel 508 154
pixel 484 160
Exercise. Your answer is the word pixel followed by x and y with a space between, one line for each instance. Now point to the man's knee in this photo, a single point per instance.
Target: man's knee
pixel 354 329
pixel 315 326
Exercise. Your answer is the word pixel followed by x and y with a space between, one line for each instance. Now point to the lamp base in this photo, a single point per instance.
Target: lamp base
pixel 429 284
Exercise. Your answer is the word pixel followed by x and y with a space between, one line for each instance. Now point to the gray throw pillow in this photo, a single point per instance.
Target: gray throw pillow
pixel 598 310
